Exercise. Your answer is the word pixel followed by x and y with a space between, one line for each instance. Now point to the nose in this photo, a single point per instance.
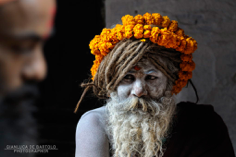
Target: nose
pixel 35 67
pixel 139 89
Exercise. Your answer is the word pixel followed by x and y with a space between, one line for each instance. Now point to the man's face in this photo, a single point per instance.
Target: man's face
pixel 144 80
pixel 140 111
pixel 25 25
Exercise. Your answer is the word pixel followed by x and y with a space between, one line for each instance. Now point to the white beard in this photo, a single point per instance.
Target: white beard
pixel 137 126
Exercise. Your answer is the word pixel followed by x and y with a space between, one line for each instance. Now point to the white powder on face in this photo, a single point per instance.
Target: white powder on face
pixel 134 131
pixel 142 81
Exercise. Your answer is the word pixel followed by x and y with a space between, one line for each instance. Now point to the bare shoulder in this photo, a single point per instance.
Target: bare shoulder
pixel 91 138
pixel 93 118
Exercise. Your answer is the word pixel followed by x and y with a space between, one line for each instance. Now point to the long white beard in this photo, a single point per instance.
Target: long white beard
pixel 137 126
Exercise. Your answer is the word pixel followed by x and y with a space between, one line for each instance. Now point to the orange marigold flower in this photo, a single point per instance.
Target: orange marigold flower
pixel 105 47
pixel 99 58
pixel 105 31
pixel 187 66
pixel 138 31
pixel 139 26
pixel 179 32
pixel 129 28
pixel 93 45
pixel 139 19
pixel 147 31
pixel 96 63
pixel 182 44
pixel 176 89
pixel 128 20
pixel 157 19
pixel 128 31
pixel 95 51
pixel 194 44
pixel 177 41
pixel 148 18
pixel 105 35
pixel 119 29
pixel 147 27
pixel 154 34
pixel 173 41
pixel 173 26
pixel 138 36
pixel 181 83
pixel 128 34
pixel 113 36
pixel 166 21
pixel 191 45
pixel 147 34
pixel 94 70
pixel 185 75
pixel 164 37
pixel 120 35
pixel 186 57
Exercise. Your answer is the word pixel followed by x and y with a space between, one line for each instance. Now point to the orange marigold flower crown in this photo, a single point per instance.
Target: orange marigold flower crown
pixel 166 33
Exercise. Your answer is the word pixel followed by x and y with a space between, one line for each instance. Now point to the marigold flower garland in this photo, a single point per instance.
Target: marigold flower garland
pixel 166 33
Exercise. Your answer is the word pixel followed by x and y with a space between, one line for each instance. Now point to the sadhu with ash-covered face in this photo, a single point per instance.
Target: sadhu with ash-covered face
pixel 139 66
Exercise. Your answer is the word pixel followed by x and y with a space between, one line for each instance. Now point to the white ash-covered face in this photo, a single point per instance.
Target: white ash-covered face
pixel 144 80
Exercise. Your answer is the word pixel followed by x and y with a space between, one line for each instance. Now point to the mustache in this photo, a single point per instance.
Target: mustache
pixel 136 103
pixel 141 104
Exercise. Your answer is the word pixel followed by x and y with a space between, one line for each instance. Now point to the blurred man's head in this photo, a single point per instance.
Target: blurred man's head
pixel 24 27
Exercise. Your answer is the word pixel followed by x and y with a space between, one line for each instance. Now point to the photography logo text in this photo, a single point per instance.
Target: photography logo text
pixel 30 148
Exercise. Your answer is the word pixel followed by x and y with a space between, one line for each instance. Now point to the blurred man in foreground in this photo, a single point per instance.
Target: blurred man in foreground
pixel 25 25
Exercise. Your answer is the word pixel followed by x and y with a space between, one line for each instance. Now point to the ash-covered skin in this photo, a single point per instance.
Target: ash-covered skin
pixel 148 82
pixel 91 136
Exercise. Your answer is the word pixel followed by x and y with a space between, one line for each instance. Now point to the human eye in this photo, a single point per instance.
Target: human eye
pixel 129 77
pixel 151 77
pixel 23 47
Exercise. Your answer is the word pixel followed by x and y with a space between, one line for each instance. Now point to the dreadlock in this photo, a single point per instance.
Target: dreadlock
pixel 123 57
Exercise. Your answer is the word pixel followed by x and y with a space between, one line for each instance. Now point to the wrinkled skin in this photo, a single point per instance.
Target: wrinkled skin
pixel 147 81
pixel 143 81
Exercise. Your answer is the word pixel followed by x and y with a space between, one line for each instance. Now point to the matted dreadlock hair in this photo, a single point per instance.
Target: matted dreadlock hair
pixel 123 57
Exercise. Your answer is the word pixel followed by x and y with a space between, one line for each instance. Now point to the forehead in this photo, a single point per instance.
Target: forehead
pixel 144 65
pixel 26 16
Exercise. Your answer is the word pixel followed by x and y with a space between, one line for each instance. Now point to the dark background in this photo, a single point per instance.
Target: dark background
pixel 69 61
